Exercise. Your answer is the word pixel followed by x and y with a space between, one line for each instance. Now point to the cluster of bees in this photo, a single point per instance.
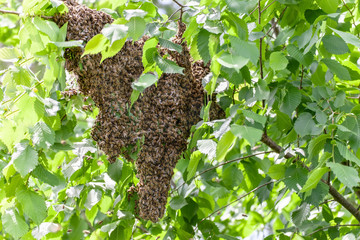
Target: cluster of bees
pixel 157 126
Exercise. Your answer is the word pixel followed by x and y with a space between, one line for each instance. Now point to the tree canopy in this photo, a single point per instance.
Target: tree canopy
pixel 222 120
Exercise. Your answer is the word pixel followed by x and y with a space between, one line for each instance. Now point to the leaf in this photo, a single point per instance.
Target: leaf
pixel 170 45
pixel 177 202
pixel 326 212
pixel 48 28
pixel 14 224
pixel 301 214
pixel 254 116
pixel 232 176
pixel 318 77
pixel 335 45
pixel 346 153
pixel 347 175
pixel 148 51
pixel 95 45
pixel 299 55
pixel 115 170
pixel 207 147
pixel 114 32
pixel 225 144
pixel 133 13
pixel 44 175
pixel 291 101
pixel 25 158
pixel 314 178
pixel 193 164
pixel 329 6
pixel 113 49
pixel 8 54
pixel 93 197
pixel 304 124
pixel 168 66
pixel 203 45
pixel 316 145
pixel 295 177
pixel 318 194
pixel 348 37
pixel 337 69
pixel 45 228
pixel 33 204
pixel 144 81
pixel 252 135
pixel 137 27
pixel 232 61
pixel 247 50
pixel 43 136
pixel 277 171
pixel 278 61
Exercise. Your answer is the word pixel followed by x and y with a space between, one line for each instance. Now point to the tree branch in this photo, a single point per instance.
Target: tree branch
pixel 9 12
pixel 351 15
pixel 324 228
pixel 336 195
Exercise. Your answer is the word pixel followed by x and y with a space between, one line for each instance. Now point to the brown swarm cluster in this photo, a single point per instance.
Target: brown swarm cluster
pixel 160 119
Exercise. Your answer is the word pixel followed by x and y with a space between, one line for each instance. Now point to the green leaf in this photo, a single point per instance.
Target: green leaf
pixel 8 54
pixel 44 175
pixel 25 158
pixel 177 202
pixel 115 170
pixel 326 212
pixel 170 45
pixel 291 101
pixel 299 55
pixel 335 45
pixel 48 28
pixel 329 6
pixel 278 61
pixel 137 26
pixel 225 144
pixel 168 66
pixel 314 178
pixel 283 121
pixel 348 37
pixel 14 224
pixel 232 61
pixel 301 214
pixel 193 164
pixel 318 77
pixel 203 45
pixel 254 116
pixel 144 81
pixel 207 147
pixel 32 204
pixel 134 13
pixel 114 32
pixel 337 69
pixel 252 135
pixel 318 194
pixel 347 175
pixel 347 154
pixel 277 171
pixel 304 124
pixel 43 136
pixel 232 176
pixel 247 50
pixel 95 45
pixel 112 50
pixel 295 177
pixel 316 145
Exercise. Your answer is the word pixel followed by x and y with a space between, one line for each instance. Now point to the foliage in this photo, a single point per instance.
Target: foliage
pixel 283 164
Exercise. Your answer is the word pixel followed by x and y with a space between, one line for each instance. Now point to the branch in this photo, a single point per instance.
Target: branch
pixel 267 6
pixel 345 225
pixel 9 12
pixel 336 195
pixel 351 15
pixel 241 197
pixel 260 44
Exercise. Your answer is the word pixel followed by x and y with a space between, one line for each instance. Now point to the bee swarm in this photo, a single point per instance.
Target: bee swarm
pixel 162 115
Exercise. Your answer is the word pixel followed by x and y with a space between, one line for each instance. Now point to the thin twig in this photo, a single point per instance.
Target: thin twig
pixel 302 76
pixel 267 6
pixel 351 15
pixel 324 228
pixel 257 7
pixel 222 164
pixel 277 21
pixel 9 12
pixel 172 16
pixel 238 199
pixel 175 1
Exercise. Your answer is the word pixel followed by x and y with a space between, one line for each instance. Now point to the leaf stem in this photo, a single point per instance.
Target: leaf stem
pixel 267 6
pixel 9 12
pixel 351 13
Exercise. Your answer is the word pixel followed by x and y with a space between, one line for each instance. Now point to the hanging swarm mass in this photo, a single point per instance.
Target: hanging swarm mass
pixel 162 116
